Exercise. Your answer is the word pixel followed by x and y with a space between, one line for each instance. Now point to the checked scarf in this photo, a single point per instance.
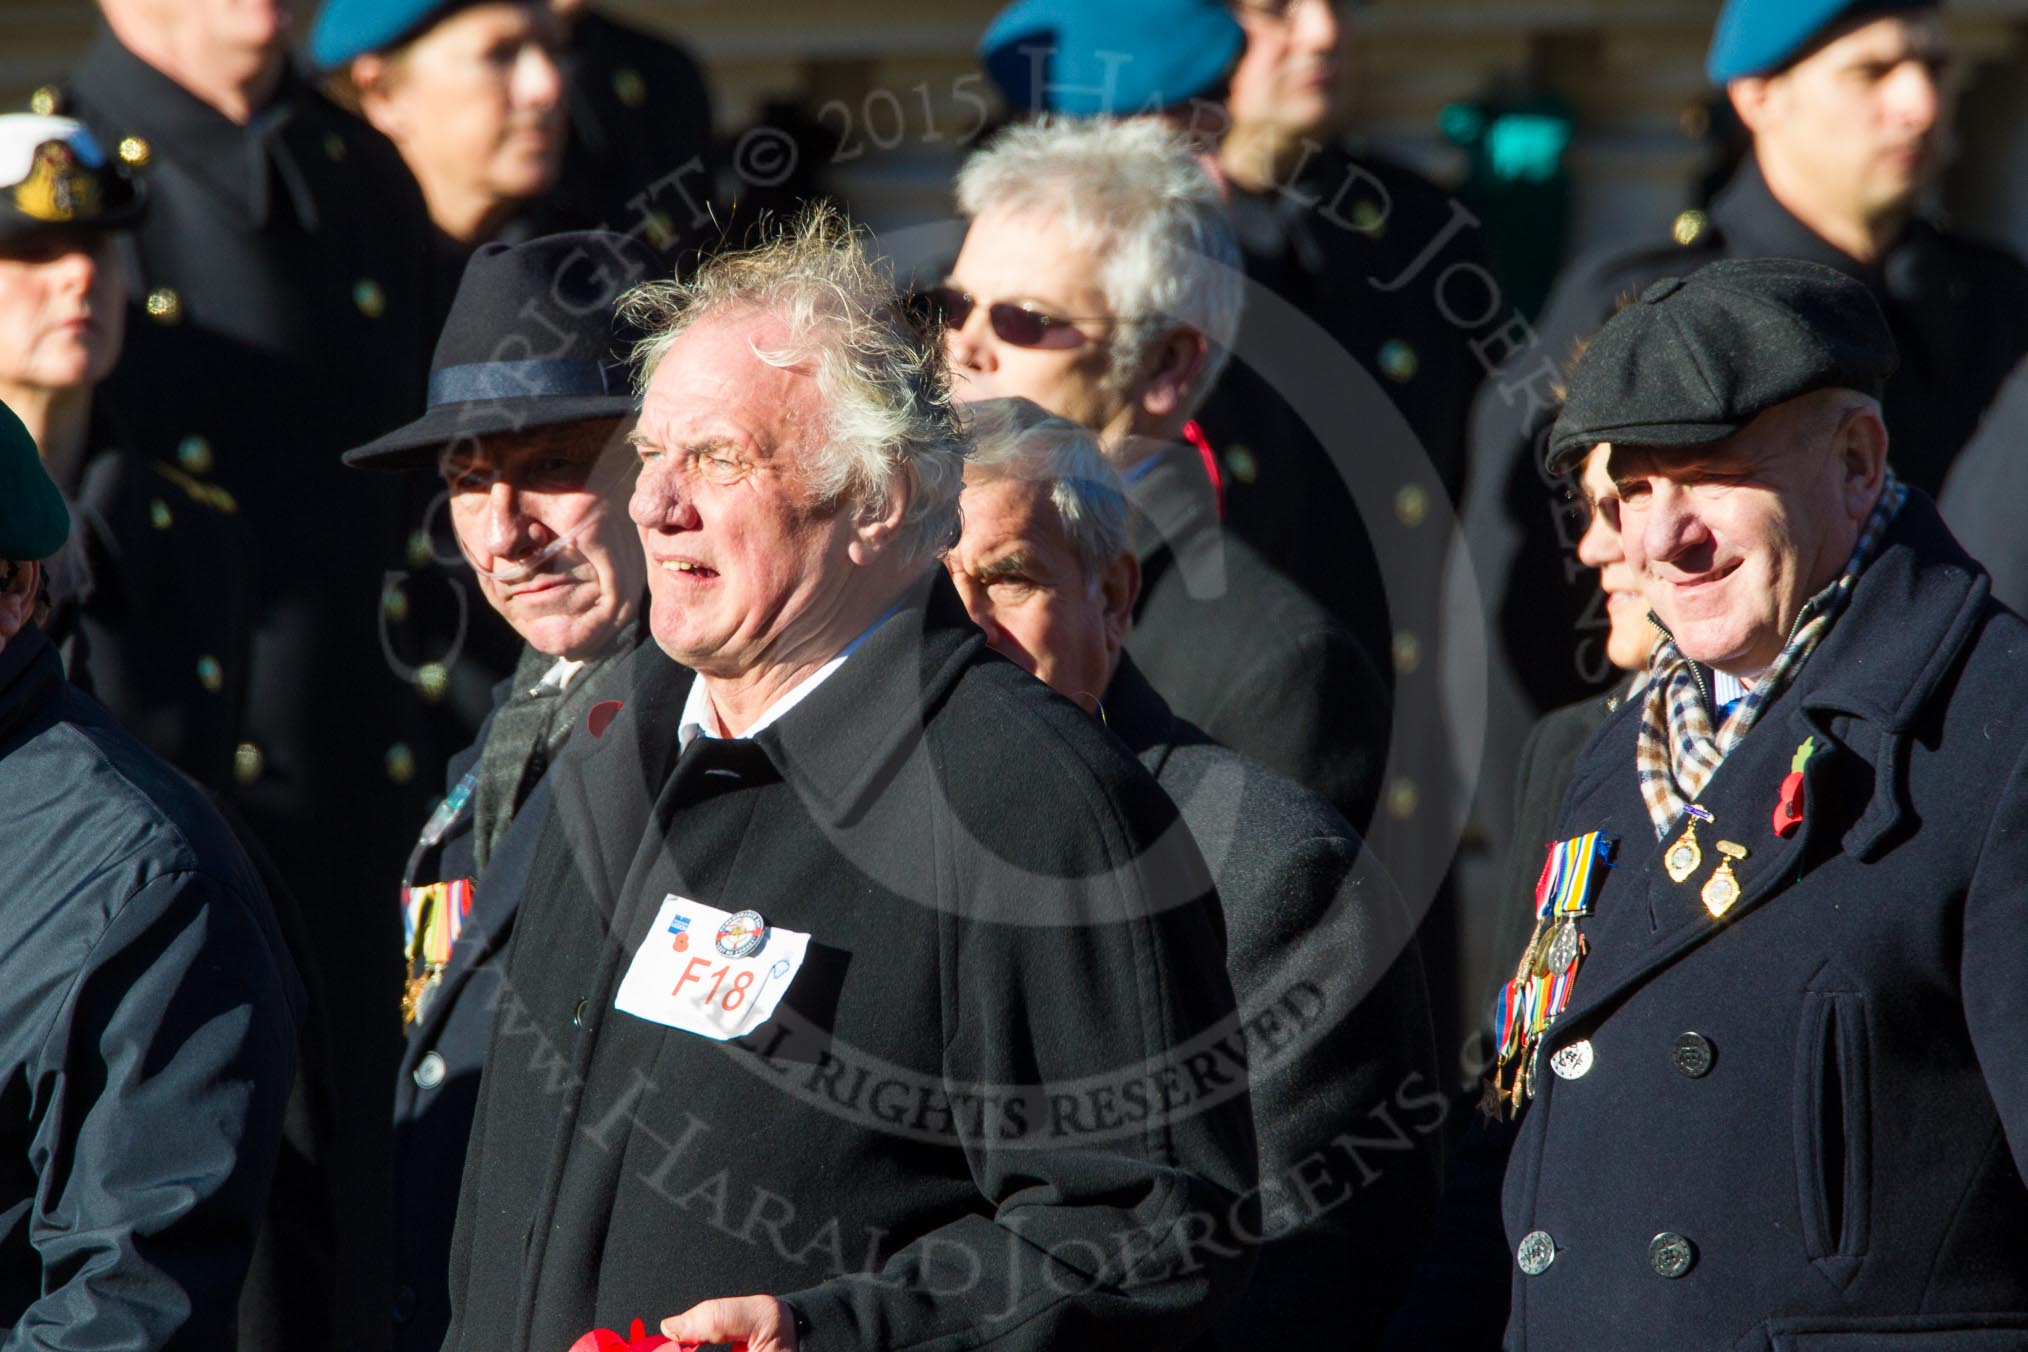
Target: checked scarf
pixel 1678 751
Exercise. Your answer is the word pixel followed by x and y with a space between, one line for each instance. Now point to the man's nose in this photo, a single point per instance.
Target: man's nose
pixel 1916 97
pixel 537 81
pixel 1671 524
pixel 508 528
pixel 660 501
pixel 969 345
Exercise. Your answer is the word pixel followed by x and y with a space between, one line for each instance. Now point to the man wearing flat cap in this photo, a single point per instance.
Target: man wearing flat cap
pixel 148 1008
pixel 1849 106
pixel 1765 1040
pixel 537 475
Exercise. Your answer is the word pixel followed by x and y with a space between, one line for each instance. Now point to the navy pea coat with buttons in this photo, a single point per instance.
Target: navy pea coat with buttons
pixel 1846 1163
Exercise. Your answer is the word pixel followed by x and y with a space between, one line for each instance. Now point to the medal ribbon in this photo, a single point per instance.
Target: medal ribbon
pixel 1569 875
pixel 433 916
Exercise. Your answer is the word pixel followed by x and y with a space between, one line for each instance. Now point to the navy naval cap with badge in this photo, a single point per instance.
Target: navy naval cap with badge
pixel 55 178
pixel 1761 37
pixel 1089 59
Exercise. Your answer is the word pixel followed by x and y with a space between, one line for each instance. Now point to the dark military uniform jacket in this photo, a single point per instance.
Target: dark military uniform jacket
pixel 640 157
pixel 164 637
pixel 971 937
pixel 1804 1124
pixel 279 317
pixel 148 1017
pixel 1342 1066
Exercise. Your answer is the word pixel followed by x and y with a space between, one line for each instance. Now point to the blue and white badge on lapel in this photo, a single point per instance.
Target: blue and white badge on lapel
pixel 687 975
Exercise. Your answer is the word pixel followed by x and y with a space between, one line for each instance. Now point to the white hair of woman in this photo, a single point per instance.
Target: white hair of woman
pixel 889 417
pixel 1018 440
pixel 1134 195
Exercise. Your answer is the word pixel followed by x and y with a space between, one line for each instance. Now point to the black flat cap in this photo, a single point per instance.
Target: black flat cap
pixel 531 341
pixel 1694 359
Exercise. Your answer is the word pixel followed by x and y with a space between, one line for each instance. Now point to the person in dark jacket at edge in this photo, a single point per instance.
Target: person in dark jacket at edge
pixel 278 314
pixel 1849 104
pixel 1764 1046
pixel 1099 278
pixel 537 476
pixel 150 1010
pixel 844 1031
pixel 1347 1105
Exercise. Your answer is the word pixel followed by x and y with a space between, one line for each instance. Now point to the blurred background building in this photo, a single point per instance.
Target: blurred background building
pixel 880 96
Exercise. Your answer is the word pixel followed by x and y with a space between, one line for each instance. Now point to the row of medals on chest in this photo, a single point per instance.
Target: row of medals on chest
pixel 1558 945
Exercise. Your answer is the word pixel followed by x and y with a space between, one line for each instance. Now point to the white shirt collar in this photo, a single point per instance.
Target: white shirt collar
pixel 699 719
pixel 560 674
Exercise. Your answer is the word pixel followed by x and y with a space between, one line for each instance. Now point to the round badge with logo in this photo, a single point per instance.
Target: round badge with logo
pixel 742 934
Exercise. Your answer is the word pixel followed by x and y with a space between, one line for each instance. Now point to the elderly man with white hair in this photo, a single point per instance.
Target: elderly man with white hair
pixel 1329 980
pixel 1099 278
pixel 873 997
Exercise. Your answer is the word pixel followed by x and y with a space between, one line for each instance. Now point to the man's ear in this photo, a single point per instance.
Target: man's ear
pixel 1859 447
pixel 875 526
pixel 17 599
pixel 1752 97
pixel 1119 588
pixel 1176 365
pixel 369 76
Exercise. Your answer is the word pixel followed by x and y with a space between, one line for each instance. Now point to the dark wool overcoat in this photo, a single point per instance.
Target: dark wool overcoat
pixel 1803 1124
pixel 1001 1104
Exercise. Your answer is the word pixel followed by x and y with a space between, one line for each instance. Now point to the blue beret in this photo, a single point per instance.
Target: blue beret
pixel 1109 57
pixel 349 28
pixel 1759 37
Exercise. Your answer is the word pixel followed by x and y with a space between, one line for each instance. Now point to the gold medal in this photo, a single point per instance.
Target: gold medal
pixel 1686 854
pixel 1721 889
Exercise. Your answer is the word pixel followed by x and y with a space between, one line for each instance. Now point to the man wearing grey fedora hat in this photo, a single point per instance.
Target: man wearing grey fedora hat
pixel 529 404
pixel 1765 1040
pixel 148 1007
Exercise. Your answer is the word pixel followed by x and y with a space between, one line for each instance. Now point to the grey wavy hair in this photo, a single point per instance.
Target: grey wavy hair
pixel 888 414
pixel 1019 440
pixel 1132 194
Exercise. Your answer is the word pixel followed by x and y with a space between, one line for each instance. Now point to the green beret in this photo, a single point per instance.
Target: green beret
pixel 33 519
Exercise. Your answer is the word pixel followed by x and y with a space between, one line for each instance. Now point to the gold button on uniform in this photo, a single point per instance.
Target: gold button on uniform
pixel 43 102
pixel 371 300
pixel 210 674
pixel 629 87
pixel 248 763
pixel 395 604
pixel 194 454
pixel 400 763
pixel 1368 219
pixel 1239 460
pixel 1690 227
pixel 1411 505
pixel 1398 361
pixel 429 1072
pixel 1407 652
pixel 420 550
pixel 164 306
pixel 135 152
pixel 1402 799
pixel 158 514
pixel 432 679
